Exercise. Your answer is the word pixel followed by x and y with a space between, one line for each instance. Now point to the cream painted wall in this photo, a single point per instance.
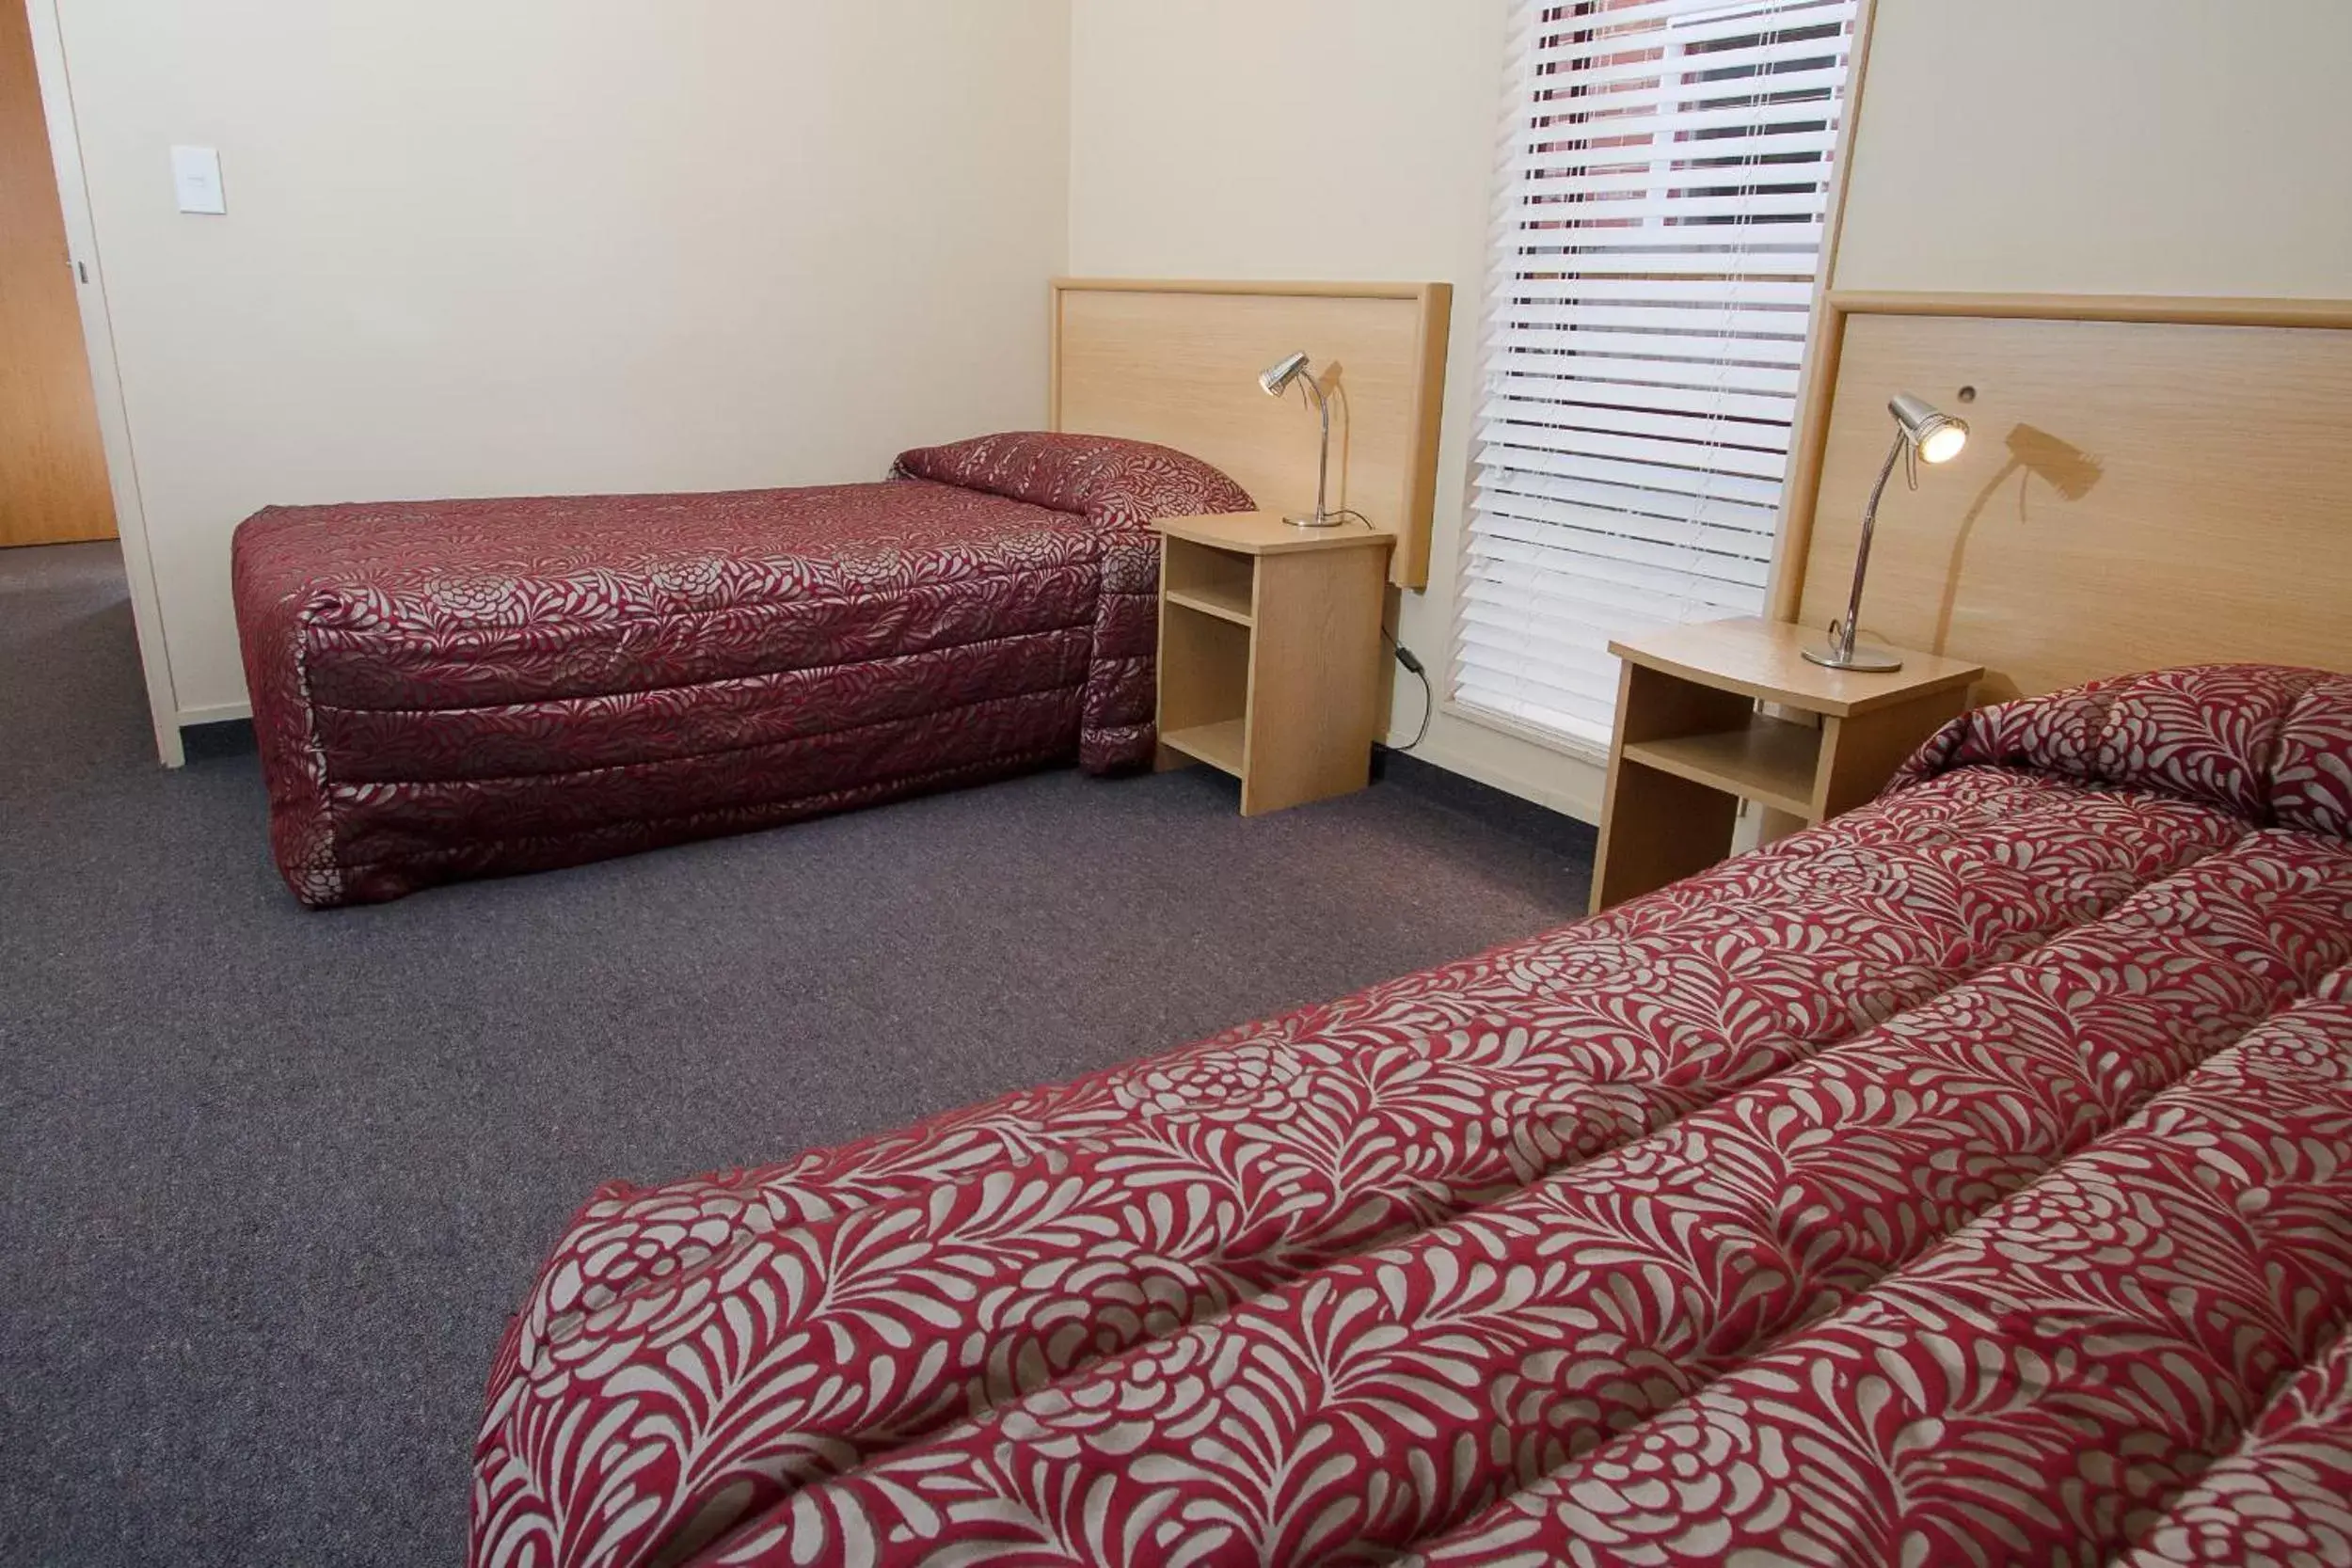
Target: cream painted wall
pixel 1315 139
pixel 558 246
pixel 2163 146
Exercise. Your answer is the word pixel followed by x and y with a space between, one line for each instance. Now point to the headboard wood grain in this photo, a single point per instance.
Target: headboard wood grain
pixel 1178 363
pixel 2138 490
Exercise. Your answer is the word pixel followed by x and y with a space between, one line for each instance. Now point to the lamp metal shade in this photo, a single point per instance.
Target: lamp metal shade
pixel 1279 375
pixel 1938 436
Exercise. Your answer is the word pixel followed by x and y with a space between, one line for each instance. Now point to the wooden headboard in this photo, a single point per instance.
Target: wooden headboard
pixel 1178 363
pixel 2146 482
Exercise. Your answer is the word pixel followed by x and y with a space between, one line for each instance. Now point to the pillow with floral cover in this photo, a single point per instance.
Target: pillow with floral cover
pixel 2269 742
pixel 1115 483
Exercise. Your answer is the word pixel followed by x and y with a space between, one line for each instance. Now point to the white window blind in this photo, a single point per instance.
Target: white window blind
pixel 1665 173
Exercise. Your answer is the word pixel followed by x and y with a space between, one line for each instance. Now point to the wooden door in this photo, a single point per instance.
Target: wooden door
pixel 52 471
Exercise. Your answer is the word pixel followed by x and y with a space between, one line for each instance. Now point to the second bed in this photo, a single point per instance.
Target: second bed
pixel 465 687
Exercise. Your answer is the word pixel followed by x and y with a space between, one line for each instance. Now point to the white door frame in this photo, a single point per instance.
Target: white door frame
pixel 98 337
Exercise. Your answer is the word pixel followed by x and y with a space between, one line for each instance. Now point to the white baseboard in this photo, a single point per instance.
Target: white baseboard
pixel 1579 799
pixel 213 713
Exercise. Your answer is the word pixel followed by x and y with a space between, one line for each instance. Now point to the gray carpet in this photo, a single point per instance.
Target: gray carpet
pixel 270 1182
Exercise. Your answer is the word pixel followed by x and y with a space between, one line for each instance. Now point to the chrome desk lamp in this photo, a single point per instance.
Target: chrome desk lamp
pixel 1276 380
pixel 1923 433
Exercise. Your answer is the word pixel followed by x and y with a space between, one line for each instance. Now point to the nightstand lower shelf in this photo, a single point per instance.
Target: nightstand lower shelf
pixel 1219 745
pixel 1770 761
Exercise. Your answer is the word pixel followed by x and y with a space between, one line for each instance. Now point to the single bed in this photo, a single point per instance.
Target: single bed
pixel 465 687
pixel 1966 1179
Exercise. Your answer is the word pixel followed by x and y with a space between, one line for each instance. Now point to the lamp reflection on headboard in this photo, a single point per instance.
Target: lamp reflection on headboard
pixel 2036 454
pixel 2070 470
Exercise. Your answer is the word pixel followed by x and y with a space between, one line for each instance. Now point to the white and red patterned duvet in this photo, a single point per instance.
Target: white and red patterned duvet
pixel 1968 1180
pixel 462 687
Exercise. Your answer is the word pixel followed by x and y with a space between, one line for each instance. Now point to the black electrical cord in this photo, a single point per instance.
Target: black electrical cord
pixel 1404 656
pixel 1411 662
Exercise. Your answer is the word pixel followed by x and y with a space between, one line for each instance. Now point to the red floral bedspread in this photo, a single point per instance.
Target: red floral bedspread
pixel 459 688
pixel 1967 1181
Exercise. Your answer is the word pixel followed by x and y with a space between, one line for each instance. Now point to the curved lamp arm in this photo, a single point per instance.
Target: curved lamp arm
pixel 1323 517
pixel 1841 633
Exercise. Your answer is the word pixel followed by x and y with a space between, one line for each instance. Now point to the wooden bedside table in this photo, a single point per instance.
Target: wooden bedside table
pixel 1271 652
pixel 1691 745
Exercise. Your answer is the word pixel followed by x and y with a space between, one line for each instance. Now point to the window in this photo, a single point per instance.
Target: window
pixel 1665 177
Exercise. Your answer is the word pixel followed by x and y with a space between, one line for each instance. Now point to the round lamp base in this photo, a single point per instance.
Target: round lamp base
pixel 1863 660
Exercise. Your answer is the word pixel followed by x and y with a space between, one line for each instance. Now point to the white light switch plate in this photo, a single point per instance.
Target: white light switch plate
pixel 196 178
